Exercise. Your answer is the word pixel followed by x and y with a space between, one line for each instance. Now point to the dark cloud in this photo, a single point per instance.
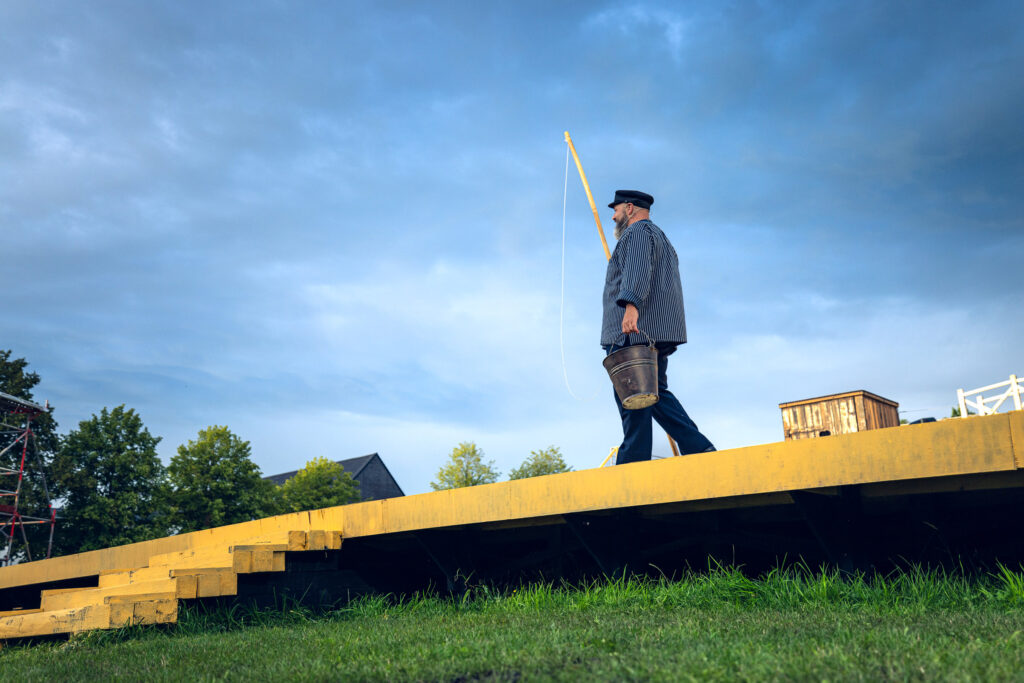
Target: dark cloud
pixel 177 179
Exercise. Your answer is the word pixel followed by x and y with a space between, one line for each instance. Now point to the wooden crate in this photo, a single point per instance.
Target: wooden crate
pixel 853 411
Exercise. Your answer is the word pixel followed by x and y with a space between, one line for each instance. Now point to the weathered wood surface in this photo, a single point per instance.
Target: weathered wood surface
pixel 846 413
pixel 150 594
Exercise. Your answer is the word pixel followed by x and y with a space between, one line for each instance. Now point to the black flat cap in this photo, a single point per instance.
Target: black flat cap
pixel 634 197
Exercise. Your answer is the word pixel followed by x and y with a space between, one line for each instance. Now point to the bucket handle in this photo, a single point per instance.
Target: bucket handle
pixel 650 342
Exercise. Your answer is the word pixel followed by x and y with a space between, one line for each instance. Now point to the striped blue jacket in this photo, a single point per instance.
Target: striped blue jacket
pixel 644 271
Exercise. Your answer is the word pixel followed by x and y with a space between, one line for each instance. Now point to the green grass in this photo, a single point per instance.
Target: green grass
pixel 793 624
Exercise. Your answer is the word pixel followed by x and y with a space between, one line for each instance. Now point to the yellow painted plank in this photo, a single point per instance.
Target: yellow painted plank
pixel 241 561
pixel 49 623
pixel 273 547
pixel 88 563
pixel 139 597
pixel 186 587
pixel 205 583
pixel 219 583
pixel 61 591
pixel 371 516
pixel 195 571
pixel 156 611
pixel 947 448
pixel 119 615
pixel 127 576
pixel 262 561
pixel 247 559
pixel 161 608
pixel 209 555
pixel 315 539
pixel 212 554
pixel 298 540
pixel 195 557
pixel 81 597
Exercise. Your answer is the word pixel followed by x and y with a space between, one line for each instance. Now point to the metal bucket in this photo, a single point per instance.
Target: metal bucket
pixel 634 374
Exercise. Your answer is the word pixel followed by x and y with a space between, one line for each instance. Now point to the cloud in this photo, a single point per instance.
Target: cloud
pixel 466 326
pixel 638 22
pixel 331 230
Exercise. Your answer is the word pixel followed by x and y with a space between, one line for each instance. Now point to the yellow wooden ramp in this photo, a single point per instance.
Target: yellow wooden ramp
pixel 144 582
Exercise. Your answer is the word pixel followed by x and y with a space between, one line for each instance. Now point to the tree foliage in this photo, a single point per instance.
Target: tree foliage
pixel 215 482
pixel 465 467
pixel 111 482
pixel 13 378
pixel 545 461
pixel 321 483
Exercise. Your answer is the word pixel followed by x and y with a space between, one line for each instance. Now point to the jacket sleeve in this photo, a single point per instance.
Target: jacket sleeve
pixel 636 253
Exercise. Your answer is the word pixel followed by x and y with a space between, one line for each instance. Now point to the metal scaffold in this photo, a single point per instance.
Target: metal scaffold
pixel 19 460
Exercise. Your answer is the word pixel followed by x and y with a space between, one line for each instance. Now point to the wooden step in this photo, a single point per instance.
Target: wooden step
pixel 250 559
pixel 149 595
pixel 42 623
pixel 150 608
pixel 205 583
pixel 69 598
pixel 314 540
pixel 123 577
pixel 206 556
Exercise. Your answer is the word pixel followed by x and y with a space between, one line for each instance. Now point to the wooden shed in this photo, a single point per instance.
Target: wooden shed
pixel 853 411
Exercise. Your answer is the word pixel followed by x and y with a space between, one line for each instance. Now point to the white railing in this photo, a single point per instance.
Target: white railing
pixel 989 405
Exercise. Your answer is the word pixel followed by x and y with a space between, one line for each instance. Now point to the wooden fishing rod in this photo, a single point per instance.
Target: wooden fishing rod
pixel 590 197
pixel 607 253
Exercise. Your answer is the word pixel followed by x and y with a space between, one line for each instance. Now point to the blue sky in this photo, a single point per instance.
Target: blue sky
pixel 336 227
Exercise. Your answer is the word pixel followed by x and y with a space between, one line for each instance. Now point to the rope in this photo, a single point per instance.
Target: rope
pixel 561 309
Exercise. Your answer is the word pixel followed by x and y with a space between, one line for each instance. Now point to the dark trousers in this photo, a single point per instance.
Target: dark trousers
pixel 668 411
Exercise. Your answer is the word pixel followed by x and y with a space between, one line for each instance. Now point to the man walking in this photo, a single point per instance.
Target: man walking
pixel 642 291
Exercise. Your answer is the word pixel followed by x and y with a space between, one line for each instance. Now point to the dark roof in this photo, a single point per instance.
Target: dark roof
pixel 374 478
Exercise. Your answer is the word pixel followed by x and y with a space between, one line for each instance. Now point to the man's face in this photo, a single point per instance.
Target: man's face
pixel 620 217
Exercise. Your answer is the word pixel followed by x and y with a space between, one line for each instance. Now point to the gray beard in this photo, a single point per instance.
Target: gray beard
pixel 620 226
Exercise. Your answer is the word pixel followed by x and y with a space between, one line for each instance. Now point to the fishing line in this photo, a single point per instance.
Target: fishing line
pixel 561 309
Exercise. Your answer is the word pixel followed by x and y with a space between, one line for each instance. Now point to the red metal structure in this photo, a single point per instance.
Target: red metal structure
pixel 18 457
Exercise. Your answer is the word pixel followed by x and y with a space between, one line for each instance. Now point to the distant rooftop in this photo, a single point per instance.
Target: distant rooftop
pixel 374 479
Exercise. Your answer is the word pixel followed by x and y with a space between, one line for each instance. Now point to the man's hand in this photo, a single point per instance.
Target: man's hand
pixel 629 319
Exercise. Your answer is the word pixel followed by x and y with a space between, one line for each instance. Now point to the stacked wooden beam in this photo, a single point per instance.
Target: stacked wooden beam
pixel 150 594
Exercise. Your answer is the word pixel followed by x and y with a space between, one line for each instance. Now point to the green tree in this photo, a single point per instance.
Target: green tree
pixel 465 467
pixel 545 461
pixel 33 500
pixel 215 482
pixel 13 378
pixel 111 482
pixel 322 483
